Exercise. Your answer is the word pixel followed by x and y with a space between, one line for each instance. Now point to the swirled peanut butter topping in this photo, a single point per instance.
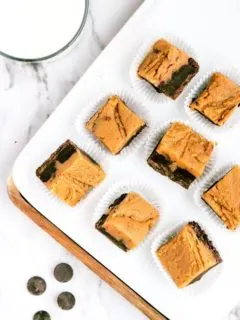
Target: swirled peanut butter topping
pixel 161 63
pixel 115 124
pixel 188 255
pixel 219 100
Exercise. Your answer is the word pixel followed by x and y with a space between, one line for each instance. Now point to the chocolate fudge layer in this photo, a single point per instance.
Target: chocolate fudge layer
pixel 167 68
pixel 115 125
pixel 188 255
pixel 70 173
pixel 182 154
pixel 128 220
pixel 224 198
pixel 219 100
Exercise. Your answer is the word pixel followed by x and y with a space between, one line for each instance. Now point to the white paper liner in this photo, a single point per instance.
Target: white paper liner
pixel 146 90
pixel 207 281
pixel 160 130
pixel 141 188
pixel 92 152
pixel 234 119
pixel 215 176
pixel 234 314
pixel 133 104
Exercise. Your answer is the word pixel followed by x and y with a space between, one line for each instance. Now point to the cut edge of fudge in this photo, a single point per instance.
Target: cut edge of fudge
pixel 194 99
pixel 100 222
pixel 214 183
pixel 162 164
pixel 203 237
pixel 47 170
pixel 179 78
pixel 131 138
pixel 174 87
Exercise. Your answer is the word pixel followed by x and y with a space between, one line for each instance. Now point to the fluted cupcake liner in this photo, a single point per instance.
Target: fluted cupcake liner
pixel 133 104
pixel 146 90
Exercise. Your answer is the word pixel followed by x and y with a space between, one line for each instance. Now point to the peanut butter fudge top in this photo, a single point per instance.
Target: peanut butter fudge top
pixel 188 255
pixel 70 173
pixel 128 220
pixel 115 125
pixel 186 148
pixel 168 68
pixel 224 198
pixel 219 100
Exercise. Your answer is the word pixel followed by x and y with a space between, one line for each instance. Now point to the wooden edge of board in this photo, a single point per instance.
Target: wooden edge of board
pixel 20 202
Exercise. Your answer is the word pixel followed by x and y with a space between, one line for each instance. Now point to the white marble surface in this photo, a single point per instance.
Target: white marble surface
pixel 28 95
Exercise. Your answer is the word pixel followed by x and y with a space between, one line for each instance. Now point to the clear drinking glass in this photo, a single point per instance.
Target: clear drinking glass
pixel 47 29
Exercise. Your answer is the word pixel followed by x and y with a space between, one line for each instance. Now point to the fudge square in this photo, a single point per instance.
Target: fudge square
pixel 70 173
pixel 224 198
pixel 167 68
pixel 188 255
pixel 219 100
pixel 181 154
pixel 128 220
pixel 115 125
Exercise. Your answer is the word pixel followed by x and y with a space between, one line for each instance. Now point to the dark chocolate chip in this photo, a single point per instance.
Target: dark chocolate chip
pixel 41 315
pixel 63 272
pixel 66 152
pixel 36 286
pixel 66 301
pixel 48 172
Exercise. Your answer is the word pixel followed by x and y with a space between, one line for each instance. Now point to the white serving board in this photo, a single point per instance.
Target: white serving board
pixel 211 27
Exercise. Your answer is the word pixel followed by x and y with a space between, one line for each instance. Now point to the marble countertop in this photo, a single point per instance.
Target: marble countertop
pixel 28 95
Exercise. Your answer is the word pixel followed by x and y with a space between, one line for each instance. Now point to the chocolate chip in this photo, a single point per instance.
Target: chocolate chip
pixel 63 272
pixel 66 301
pixel 41 315
pixel 36 286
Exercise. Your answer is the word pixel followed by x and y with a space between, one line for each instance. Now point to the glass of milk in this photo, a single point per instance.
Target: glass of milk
pixel 36 30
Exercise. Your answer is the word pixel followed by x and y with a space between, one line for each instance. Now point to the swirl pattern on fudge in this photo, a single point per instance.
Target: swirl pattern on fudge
pixel 115 125
pixel 218 100
pixel 70 173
